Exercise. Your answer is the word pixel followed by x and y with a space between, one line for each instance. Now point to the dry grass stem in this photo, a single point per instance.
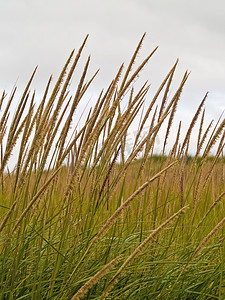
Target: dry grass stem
pixel 209 236
pixel 142 245
pixel 89 284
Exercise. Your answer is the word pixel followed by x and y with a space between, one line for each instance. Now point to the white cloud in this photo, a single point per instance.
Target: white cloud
pixel 44 32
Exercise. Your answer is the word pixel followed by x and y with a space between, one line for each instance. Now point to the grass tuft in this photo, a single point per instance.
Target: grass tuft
pixel 87 214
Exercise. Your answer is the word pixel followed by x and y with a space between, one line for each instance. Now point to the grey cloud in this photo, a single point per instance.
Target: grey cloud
pixel 44 32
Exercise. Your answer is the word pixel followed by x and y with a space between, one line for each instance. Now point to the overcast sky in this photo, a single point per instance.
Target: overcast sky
pixel 44 32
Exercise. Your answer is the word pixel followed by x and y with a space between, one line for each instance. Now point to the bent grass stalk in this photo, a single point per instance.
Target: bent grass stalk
pixel 141 246
pixel 89 284
pixel 206 239
pixel 115 216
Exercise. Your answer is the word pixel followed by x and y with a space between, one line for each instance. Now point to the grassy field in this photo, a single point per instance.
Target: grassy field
pixel 83 219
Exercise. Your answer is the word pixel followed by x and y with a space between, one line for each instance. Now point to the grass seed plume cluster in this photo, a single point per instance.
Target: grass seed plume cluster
pixel 81 219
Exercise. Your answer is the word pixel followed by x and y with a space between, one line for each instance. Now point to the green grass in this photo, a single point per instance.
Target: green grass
pixel 82 220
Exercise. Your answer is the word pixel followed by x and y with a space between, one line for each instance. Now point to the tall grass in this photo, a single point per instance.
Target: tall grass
pixel 82 219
